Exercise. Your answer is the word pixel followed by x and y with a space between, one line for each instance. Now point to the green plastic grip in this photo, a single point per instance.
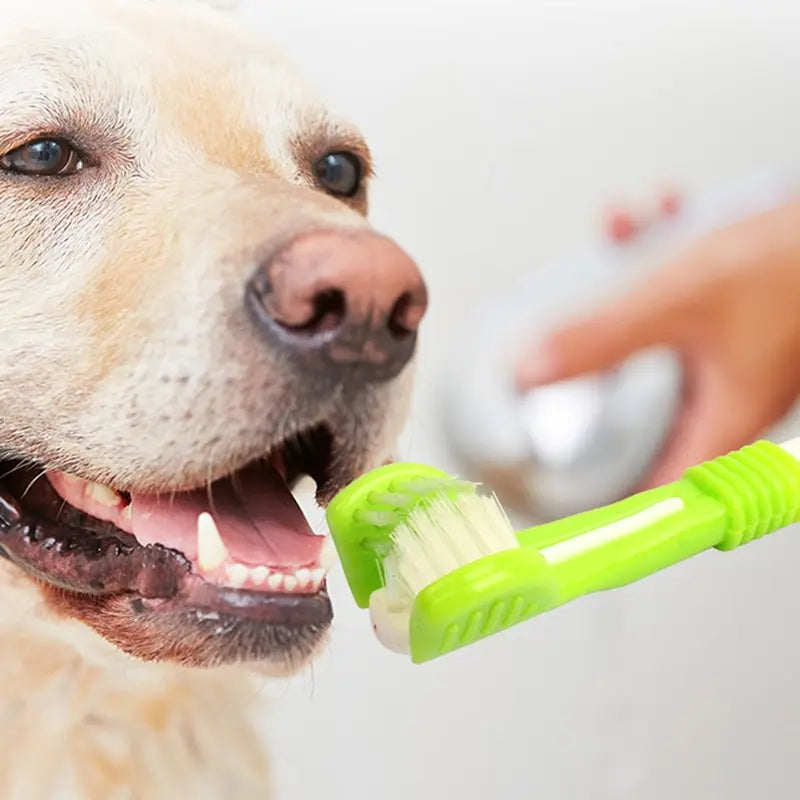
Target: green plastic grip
pixel 721 504
pixel 759 487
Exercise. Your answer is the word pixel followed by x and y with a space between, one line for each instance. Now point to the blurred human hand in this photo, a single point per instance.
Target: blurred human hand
pixel 730 307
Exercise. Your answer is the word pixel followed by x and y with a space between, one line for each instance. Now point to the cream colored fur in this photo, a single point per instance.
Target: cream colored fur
pixel 135 280
pixel 115 291
pixel 80 720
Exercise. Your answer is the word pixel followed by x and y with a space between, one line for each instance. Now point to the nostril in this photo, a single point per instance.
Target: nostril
pixel 334 300
pixel 402 318
pixel 328 312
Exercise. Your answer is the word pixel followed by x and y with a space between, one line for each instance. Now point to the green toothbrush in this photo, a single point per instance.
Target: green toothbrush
pixel 440 566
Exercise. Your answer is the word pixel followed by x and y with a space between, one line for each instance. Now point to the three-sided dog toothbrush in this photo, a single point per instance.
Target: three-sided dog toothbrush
pixel 440 566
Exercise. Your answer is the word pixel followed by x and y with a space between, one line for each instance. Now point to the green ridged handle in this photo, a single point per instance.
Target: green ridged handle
pixel 759 487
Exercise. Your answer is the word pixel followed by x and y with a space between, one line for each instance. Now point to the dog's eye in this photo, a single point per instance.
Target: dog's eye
pixel 338 173
pixel 44 157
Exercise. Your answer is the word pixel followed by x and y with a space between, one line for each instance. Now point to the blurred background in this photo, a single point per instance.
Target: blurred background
pixel 502 130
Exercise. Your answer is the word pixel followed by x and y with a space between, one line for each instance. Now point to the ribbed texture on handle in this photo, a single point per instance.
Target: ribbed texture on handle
pixel 759 486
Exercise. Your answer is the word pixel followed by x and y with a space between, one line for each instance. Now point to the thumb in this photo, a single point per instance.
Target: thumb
pixel 641 319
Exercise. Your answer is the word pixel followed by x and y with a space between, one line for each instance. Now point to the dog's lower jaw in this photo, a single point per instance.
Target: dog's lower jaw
pixel 83 720
pixel 191 637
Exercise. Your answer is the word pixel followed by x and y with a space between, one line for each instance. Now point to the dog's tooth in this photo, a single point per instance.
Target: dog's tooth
pixel 211 550
pixel 303 577
pixel 327 554
pixel 258 575
pixel 236 575
pixel 290 583
pixel 316 577
pixel 103 495
pixel 127 512
pixel 275 582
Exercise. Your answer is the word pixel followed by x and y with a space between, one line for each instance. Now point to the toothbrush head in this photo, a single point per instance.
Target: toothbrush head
pixel 455 573
pixel 438 565
pixel 363 516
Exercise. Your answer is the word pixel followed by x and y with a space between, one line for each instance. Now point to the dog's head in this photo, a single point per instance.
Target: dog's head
pixel 193 313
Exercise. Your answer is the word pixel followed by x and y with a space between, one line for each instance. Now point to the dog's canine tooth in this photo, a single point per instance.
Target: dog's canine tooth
pixel 127 512
pixel 236 575
pixel 258 575
pixel 103 495
pixel 211 550
pixel 327 554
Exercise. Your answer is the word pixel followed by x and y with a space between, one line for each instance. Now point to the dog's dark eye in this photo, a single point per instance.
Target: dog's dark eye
pixel 44 157
pixel 338 173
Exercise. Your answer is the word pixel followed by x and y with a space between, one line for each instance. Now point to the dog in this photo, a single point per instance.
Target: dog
pixel 194 313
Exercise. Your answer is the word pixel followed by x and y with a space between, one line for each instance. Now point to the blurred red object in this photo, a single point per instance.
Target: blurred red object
pixel 621 227
pixel 669 204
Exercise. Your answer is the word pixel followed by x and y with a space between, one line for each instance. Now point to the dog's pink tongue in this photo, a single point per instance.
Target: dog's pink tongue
pixel 257 517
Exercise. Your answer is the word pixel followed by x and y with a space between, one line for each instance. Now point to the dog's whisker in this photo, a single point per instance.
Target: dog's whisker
pixel 34 481
pixel 313 677
pixel 209 483
pixel 238 490
pixel 22 465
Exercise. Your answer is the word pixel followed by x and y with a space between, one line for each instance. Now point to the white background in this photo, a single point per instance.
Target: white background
pixel 501 128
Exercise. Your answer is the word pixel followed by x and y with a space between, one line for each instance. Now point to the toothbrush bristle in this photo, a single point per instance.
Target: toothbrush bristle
pixel 391 507
pixel 377 518
pixel 427 486
pixel 441 536
pixel 396 499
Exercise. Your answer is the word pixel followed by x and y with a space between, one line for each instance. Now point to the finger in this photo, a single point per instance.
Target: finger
pixel 601 340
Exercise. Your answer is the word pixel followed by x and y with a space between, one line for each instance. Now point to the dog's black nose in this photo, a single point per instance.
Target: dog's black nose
pixel 339 299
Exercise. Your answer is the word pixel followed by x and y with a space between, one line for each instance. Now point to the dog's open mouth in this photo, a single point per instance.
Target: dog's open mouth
pixel 239 546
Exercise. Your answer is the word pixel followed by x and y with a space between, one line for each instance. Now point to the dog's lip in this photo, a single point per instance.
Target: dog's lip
pixel 157 577
pixel 208 600
pixel 66 557
pixel 108 561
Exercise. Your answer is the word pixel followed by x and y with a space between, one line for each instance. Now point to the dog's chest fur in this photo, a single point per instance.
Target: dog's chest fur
pixel 80 721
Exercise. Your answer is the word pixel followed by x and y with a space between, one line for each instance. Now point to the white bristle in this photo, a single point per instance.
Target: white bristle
pixel 396 499
pixel 420 486
pixel 443 535
pixel 380 519
pixel 435 539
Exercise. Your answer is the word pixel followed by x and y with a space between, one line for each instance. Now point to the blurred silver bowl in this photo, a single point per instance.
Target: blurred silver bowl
pixel 589 441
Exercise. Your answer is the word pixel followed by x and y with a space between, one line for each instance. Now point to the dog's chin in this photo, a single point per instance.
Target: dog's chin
pixel 228 573
pixel 190 634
